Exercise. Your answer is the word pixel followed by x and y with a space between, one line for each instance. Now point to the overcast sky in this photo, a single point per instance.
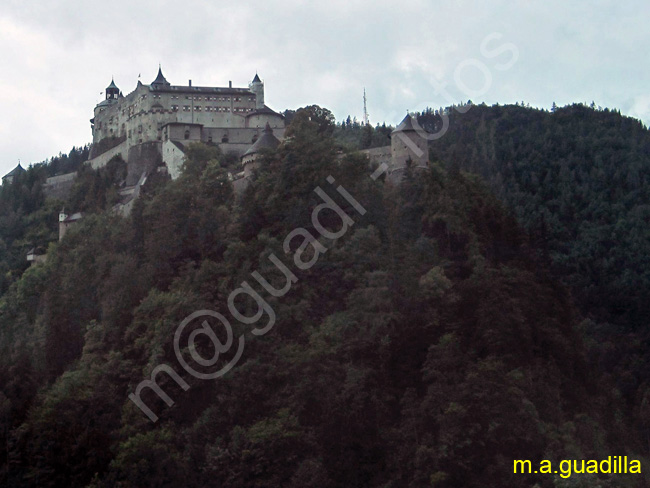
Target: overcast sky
pixel 56 57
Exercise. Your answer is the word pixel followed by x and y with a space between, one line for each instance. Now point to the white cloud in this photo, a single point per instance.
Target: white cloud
pixel 58 56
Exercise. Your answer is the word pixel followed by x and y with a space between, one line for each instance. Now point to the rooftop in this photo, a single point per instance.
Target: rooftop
pixel 406 125
pixel 17 170
pixel 267 141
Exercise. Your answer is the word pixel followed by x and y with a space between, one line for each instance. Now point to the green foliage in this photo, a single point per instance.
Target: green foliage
pixel 426 347
pixel 577 179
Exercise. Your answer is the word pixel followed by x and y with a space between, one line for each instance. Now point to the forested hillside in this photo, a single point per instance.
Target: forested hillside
pixel 578 180
pixel 26 219
pixel 430 345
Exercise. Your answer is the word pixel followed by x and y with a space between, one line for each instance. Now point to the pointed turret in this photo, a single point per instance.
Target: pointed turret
pixel 160 79
pixel 112 91
pixel 257 87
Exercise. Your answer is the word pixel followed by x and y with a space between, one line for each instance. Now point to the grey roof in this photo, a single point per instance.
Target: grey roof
pixel 200 89
pixel 160 79
pixel 17 170
pixel 106 102
pixel 264 110
pixel 178 145
pixel 112 85
pixel 406 125
pixel 267 141
pixel 74 217
pixel 257 79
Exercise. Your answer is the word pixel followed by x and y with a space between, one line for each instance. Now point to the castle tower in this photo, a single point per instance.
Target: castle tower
pixel 160 79
pixel 409 146
pixel 112 91
pixel 250 159
pixel 257 87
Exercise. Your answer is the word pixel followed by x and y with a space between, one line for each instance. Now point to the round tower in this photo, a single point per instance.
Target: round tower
pixel 267 142
pixel 257 87
pixel 409 146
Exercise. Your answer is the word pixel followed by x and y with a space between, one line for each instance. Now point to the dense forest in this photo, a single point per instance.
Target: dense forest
pixel 578 180
pixel 487 310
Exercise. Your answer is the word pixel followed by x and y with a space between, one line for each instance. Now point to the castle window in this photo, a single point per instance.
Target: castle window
pixel 198 109
pixel 187 134
pixel 175 108
pixel 174 97
pixel 210 139
pixel 186 108
pixel 224 138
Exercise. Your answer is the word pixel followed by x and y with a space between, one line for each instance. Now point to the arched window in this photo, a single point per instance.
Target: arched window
pixel 187 134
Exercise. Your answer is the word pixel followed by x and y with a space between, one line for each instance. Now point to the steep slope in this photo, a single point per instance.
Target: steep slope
pixel 426 347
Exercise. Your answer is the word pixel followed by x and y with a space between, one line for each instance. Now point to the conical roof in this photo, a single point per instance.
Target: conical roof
pixel 257 79
pixel 406 125
pixel 112 86
pixel 160 79
pixel 267 141
pixel 17 170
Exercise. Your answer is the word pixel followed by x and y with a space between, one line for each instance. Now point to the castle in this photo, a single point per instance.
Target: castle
pixel 154 123
pixel 151 127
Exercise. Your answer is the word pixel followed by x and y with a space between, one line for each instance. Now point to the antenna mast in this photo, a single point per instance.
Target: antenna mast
pixel 365 108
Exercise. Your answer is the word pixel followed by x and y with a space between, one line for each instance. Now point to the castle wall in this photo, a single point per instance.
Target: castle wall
pixel 59 186
pixel 173 156
pixel 103 159
pixel 259 121
pixel 409 146
pixel 143 158
pixel 378 155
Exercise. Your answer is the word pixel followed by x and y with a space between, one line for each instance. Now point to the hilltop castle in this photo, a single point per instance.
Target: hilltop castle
pixel 154 123
pixel 151 127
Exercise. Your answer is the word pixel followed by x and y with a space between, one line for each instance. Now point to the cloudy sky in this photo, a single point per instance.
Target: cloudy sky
pixel 56 57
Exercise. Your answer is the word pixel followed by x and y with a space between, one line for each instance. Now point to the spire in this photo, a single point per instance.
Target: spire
pixel 160 79
pixel 257 79
pixel 112 85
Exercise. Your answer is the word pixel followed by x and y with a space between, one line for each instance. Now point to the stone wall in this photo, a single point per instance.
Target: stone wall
pixel 103 159
pixel 378 155
pixel 143 158
pixel 173 156
pixel 59 186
